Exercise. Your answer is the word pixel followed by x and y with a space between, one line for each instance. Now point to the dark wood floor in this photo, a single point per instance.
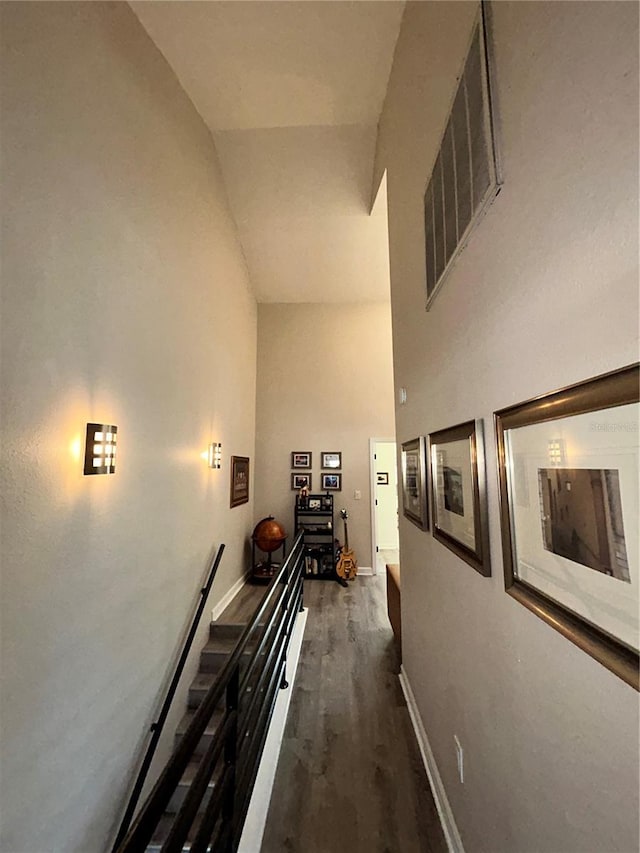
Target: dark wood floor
pixel 350 776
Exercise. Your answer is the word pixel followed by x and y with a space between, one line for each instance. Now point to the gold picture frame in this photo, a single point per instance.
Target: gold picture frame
pixel 239 480
pixel 414 482
pixel 568 465
pixel 459 518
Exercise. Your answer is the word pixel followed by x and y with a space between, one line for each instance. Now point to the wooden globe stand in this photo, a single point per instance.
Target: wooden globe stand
pixel 264 570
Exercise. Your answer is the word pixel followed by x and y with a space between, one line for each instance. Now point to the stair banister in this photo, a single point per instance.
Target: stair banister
pixel 227 681
pixel 156 727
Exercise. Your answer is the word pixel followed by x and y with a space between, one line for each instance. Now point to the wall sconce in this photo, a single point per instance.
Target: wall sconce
pixel 556 451
pixel 214 455
pixel 100 449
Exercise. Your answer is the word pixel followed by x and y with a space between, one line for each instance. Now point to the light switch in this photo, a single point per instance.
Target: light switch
pixel 357 495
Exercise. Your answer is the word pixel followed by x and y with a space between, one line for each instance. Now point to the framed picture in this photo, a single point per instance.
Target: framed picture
pixel 299 481
pixel 414 482
pixel 332 460
pixel 382 478
pixel 301 459
pixel 458 493
pixel 239 480
pixel 332 482
pixel 568 474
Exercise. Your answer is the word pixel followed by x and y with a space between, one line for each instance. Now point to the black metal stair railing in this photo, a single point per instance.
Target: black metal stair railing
pixel 157 726
pixel 248 687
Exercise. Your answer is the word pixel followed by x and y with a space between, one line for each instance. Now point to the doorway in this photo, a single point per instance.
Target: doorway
pixel 384 503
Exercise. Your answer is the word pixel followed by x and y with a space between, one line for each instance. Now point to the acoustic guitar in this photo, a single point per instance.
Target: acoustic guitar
pixel 347 567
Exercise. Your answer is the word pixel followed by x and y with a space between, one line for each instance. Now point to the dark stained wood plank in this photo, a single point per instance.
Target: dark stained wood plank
pixel 350 776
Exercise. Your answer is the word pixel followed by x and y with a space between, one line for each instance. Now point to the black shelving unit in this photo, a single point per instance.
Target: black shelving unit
pixel 314 515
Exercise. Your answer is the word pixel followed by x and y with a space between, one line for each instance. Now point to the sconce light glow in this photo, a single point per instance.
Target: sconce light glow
pixel 214 455
pixel 556 451
pixel 100 449
pixel 75 448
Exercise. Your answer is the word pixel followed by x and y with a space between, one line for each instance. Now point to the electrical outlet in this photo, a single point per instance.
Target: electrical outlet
pixel 460 758
pixel 357 495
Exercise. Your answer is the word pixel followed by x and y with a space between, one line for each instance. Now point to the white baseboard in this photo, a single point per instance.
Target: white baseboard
pixel 228 597
pixel 365 571
pixel 253 830
pixel 451 834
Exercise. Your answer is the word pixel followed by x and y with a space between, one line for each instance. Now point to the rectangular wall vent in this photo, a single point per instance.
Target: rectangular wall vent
pixel 465 177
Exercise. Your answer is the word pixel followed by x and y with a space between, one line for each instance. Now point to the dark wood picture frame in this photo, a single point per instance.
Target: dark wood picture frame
pixel 414 491
pixel 327 454
pixel 239 480
pixel 300 479
pixel 599 394
pixel 327 477
pixel 301 459
pixel 472 435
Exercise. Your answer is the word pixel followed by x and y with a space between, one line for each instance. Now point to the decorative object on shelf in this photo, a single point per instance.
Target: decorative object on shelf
pixel 414 482
pixel 214 455
pixel 268 536
pixel 239 480
pixel 301 459
pixel 459 493
pixel 382 478
pixel 303 495
pixel 332 482
pixel 332 460
pixel 346 567
pixel 300 481
pixel 100 449
pixel 568 465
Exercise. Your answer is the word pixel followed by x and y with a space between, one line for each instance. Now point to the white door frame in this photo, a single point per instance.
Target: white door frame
pixel 373 490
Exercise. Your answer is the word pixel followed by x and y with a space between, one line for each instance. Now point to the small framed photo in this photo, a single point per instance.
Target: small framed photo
pixel 568 465
pixel 458 493
pixel 332 460
pixel 332 482
pixel 239 480
pixel 299 481
pixel 301 459
pixel 382 478
pixel 315 503
pixel 414 482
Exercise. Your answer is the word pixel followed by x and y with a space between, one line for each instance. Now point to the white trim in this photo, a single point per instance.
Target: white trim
pixel 228 597
pixel 373 492
pixel 374 520
pixel 447 820
pixel 366 571
pixel 253 830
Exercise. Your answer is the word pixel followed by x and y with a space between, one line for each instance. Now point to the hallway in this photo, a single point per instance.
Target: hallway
pixel 350 776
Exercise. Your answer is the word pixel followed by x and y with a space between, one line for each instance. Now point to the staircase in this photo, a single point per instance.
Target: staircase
pixel 224 633
pixel 200 800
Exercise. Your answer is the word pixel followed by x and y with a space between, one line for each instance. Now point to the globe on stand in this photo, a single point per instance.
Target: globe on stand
pixel 268 536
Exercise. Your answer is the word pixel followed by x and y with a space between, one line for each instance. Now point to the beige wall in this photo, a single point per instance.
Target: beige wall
pixel 124 298
pixel 324 383
pixel 544 295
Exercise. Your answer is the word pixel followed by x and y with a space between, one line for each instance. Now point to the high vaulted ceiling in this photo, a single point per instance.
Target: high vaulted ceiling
pixel 292 92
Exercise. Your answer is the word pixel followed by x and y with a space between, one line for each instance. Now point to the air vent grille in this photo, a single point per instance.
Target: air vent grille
pixel 465 177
